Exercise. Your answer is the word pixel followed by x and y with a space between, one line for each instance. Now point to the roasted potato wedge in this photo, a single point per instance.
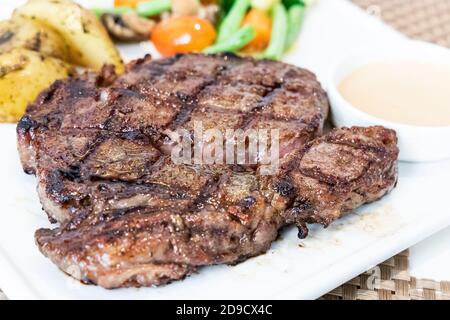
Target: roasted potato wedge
pixel 23 75
pixel 31 35
pixel 88 42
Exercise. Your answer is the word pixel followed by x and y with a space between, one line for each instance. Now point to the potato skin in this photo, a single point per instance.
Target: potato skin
pixel 31 35
pixel 23 75
pixel 87 39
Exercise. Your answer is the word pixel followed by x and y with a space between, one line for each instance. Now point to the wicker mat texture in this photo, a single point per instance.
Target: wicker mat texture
pixel 427 20
pixel 390 281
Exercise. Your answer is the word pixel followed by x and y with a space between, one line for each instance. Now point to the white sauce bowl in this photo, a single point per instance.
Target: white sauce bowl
pixel 416 143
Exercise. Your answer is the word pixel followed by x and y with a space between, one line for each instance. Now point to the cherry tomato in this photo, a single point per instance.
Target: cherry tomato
pixel 262 24
pixel 183 34
pixel 126 3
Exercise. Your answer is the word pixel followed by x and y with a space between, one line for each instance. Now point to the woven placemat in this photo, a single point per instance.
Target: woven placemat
pixel 391 281
pixel 427 20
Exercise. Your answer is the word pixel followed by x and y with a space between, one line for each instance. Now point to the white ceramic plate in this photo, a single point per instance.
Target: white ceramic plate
pixel 293 268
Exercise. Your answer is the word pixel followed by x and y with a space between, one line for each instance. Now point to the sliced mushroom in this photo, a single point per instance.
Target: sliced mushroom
pixel 139 25
pixel 128 27
pixel 210 12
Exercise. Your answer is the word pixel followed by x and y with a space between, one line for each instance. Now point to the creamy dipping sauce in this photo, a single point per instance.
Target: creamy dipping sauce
pixel 406 92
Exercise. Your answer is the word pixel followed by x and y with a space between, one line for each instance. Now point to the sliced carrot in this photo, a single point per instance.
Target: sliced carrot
pixel 262 24
pixel 126 3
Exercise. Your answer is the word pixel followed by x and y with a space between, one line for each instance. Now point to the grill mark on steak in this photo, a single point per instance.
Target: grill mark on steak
pixel 130 217
pixel 189 102
pixel 330 170
pixel 205 193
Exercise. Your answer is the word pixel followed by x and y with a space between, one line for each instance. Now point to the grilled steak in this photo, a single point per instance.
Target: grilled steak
pixel 130 216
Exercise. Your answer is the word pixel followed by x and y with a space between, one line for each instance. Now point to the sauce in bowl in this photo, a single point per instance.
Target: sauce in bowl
pixel 413 93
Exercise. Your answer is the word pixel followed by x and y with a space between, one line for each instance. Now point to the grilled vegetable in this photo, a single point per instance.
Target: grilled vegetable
pixel 116 11
pixel 236 42
pixel 183 34
pixel 128 27
pixel 32 35
pixel 153 7
pixel 225 5
pixel 210 12
pixel 296 15
pixel 87 40
pixel 262 24
pixel 23 75
pixel 185 7
pixel 279 33
pixel 126 3
pixel 233 20
pixel 289 3
pixel 264 5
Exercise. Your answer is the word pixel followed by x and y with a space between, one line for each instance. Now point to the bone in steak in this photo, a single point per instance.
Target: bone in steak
pixel 129 216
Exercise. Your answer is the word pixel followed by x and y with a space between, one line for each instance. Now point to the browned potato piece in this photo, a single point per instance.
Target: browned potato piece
pixel 88 42
pixel 31 35
pixel 23 75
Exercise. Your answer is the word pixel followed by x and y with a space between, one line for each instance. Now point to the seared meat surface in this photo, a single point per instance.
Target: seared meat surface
pixel 101 128
pixel 337 173
pixel 129 216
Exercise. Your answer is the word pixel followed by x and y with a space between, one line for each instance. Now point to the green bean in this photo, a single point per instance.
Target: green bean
pixel 237 41
pixel 296 14
pixel 119 10
pixel 232 21
pixel 153 8
pixel 277 42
